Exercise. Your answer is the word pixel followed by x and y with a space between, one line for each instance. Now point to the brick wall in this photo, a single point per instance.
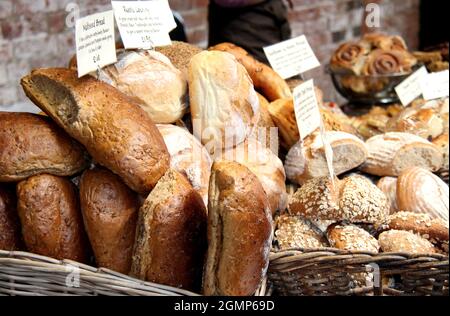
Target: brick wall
pixel 33 33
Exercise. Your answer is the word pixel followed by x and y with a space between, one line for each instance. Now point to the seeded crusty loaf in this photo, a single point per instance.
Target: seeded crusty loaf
pixel 180 54
pixel 351 238
pixel 295 232
pixel 32 144
pixel 391 153
pixel 354 199
pixel 115 131
pixel 405 242
pixel 51 220
pixel 171 235
pixel 110 212
pixel 10 235
pixel 239 232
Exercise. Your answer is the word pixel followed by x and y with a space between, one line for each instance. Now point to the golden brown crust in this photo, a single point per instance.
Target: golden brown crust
pixel 10 235
pixel 115 131
pixel 239 232
pixel 51 220
pixel 405 242
pixel 265 79
pixel 32 144
pixel 295 232
pixel 351 238
pixel 110 211
pixel 171 235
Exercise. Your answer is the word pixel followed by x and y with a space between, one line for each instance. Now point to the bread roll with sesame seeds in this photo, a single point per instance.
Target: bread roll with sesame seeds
pixel 405 242
pixel 352 238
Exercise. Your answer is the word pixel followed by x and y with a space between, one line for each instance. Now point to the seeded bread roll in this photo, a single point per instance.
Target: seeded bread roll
pixel 115 131
pixel 10 235
pixel 352 238
pixel 353 199
pixel 110 212
pixel 32 144
pixel 295 232
pixel 405 242
pixel 180 54
pixel 239 232
pixel 389 187
pixel 50 215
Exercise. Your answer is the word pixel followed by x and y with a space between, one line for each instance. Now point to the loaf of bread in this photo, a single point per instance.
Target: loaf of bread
pixel 266 131
pixel 389 187
pixel 293 232
pixel 306 160
pixel 224 104
pixel 150 79
pixel 115 131
pixel 32 144
pixel 189 157
pixel 266 166
pixel 420 191
pixel 51 219
pixel 355 199
pixel 265 79
pixel 239 232
pixel 180 54
pixel 110 211
pixel 10 235
pixel 392 153
pixel 171 235
pixel 442 143
pixel 351 238
pixel 405 242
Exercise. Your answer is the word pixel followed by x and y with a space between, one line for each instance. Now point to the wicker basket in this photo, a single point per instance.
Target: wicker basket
pixel 328 272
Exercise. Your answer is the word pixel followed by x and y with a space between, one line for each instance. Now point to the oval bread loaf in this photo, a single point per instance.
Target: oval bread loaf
pixel 352 238
pixel 405 242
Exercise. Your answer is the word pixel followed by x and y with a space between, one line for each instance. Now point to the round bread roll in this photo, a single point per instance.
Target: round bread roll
pixel 293 232
pixel 32 144
pixel 420 191
pixel 110 212
pixel 10 235
pixel 352 238
pixel 389 187
pixel 51 219
pixel 151 80
pixel 405 242
pixel 224 104
pixel 189 157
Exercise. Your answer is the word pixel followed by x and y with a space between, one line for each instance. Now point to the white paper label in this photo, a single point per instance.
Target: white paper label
pixel 292 57
pixel 306 108
pixel 95 41
pixel 410 89
pixel 144 24
pixel 435 85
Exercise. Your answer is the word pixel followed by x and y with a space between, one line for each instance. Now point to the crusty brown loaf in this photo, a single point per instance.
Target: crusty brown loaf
pixel 351 238
pixel 51 220
pixel 32 144
pixel 405 242
pixel 116 132
pixel 171 235
pixel 110 211
pixel 265 79
pixel 239 232
pixel 10 235
pixel 295 232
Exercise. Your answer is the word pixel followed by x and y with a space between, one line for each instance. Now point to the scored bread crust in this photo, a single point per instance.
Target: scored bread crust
pixel 239 232
pixel 32 144
pixel 115 131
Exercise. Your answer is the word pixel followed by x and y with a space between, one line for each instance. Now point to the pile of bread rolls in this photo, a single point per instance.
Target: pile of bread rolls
pixel 164 166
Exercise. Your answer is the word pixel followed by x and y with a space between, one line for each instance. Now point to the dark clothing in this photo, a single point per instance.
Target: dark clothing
pixel 251 27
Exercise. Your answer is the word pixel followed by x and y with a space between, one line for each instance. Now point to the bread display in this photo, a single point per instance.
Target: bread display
pixel 389 187
pixel 352 238
pixel 10 235
pixel 171 235
pixel 392 153
pixel 224 104
pixel 239 232
pixel 32 144
pixel 49 212
pixel 110 211
pixel 150 79
pixel 115 131
pixel 266 166
pixel 420 191
pixel 306 160
pixel 354 199
pixel 405 242
pixel 180 54
pixel 265 79
pixel 189 157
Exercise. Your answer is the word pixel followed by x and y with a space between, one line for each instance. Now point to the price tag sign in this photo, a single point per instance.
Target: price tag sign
pixel 144 24
pixel 435 85
pixel 95 41
pixel 292 57
pixel 410 88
